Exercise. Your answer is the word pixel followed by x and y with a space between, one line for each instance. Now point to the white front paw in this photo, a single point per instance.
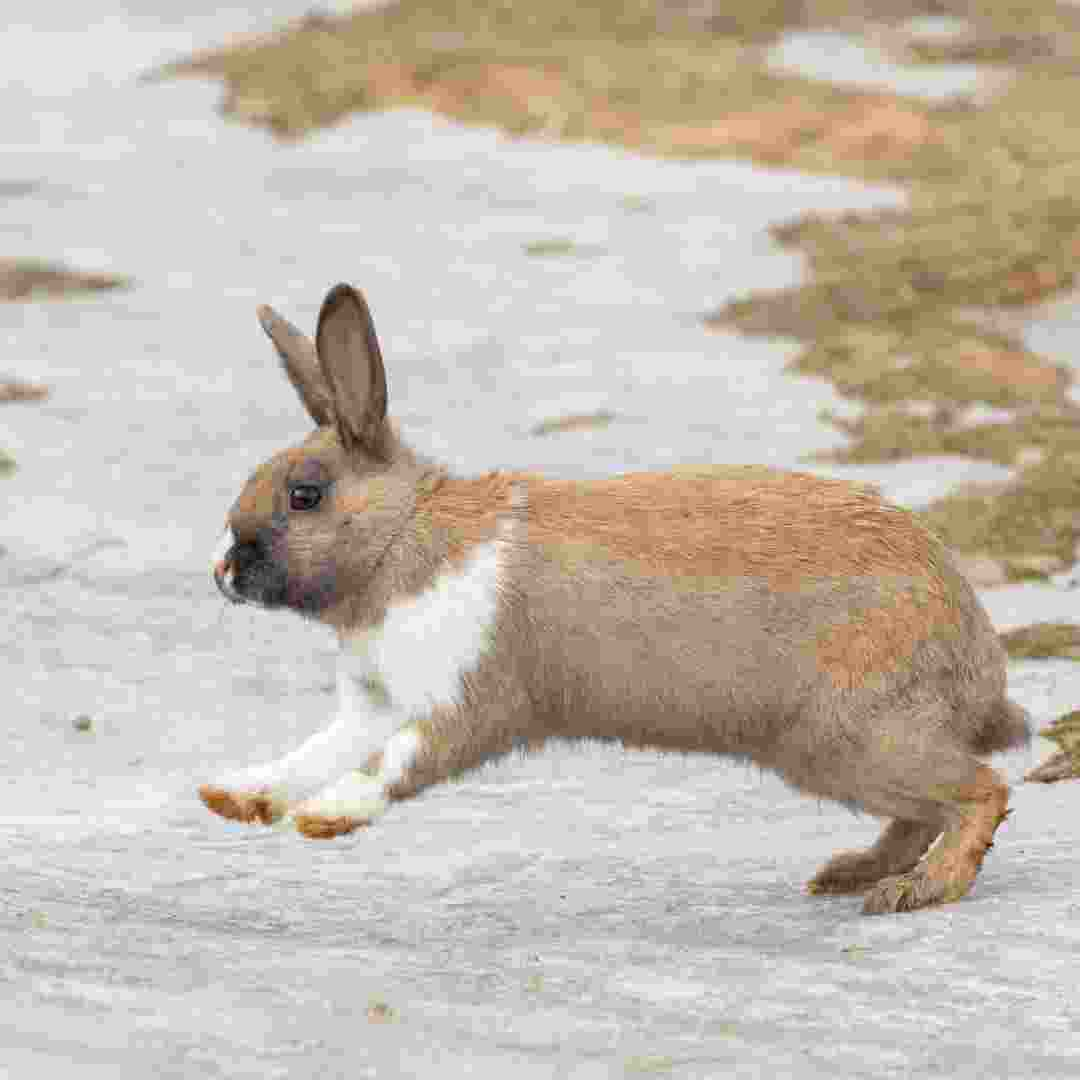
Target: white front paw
pixel 352 803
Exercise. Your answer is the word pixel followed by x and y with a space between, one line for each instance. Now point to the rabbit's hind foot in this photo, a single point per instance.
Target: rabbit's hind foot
pixel 898 850
pixel 948 870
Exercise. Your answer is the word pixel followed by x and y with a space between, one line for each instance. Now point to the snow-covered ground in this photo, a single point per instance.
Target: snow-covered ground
pixel 582 914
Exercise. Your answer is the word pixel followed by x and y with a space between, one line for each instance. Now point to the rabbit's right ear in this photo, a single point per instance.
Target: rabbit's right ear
pixel 352 366
pixel 301 365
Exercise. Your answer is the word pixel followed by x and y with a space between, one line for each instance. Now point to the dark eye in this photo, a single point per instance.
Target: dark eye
pixel 304 497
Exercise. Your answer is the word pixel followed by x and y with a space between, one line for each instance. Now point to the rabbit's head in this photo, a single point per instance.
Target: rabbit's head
pixel 312 524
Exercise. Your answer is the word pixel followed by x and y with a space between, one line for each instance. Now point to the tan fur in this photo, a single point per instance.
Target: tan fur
pixel 466 511
pixel 261 494
pixel 737 521
pixel 801 623
pixel 897 850
pixel 884 639
pixel 789 528
pixel 949 868
pixel 239 807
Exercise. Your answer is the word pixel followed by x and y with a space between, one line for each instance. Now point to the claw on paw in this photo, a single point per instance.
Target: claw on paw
pixel 247 806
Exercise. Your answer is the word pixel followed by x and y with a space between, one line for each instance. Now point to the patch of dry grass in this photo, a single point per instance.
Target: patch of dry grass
pixel 574 422
pixel 1043 640
pixel 639 74
pixel 32 279
pixel 18 390
pixel 1032 524
pixel 1064 765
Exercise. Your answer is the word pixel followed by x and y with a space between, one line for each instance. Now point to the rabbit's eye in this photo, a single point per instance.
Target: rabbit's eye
pixel 304 497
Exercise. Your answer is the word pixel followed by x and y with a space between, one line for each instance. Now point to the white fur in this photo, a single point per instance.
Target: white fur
pixel 357 796
pixel 398 755
pixel 360 796
pixel 358 728
pixel 414 661
pixel 428 642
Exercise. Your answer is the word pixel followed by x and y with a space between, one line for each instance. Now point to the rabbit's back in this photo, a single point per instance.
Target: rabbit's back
pixel 721 608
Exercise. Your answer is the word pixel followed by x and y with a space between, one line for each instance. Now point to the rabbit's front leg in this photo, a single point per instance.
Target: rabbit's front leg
pixel 429 750
pixel 266 793
pixel 361 796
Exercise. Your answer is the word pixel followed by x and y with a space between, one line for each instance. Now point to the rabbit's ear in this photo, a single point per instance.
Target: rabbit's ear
pixel 300 363
pixel 352 366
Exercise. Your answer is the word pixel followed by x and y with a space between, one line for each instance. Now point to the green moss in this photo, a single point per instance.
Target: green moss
pixel 574 422
pixel 909 275
pixel 885 435
pixel 1065 764
pixel 1065 731
pixel 558 248
pixel 898 433
pixel 613 71
pixel 1036 516
pixel 376 691
pixel 933 361
pixel 7 463
pixel 1043 641
pixel 650 1063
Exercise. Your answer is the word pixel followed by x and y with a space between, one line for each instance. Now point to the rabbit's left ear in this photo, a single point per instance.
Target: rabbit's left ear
pixel 351 363
pixel 300 363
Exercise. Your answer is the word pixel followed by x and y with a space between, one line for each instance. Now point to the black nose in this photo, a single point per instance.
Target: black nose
pixel 242 557
pixel 252 576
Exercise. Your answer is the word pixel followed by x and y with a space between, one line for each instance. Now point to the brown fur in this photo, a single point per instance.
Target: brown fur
pixel 726 523
pixel 782 528
pixel 883 639
pixel 949 868
pixel 798 622
pixel 897 850
pixel 238 807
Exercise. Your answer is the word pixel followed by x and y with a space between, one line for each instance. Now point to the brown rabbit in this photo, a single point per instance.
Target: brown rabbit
pixel 798 622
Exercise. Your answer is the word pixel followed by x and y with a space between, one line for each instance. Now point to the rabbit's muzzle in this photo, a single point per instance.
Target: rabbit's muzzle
pixel 246 574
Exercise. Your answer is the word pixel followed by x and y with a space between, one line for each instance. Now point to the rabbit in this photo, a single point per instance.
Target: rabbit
pixel 800 623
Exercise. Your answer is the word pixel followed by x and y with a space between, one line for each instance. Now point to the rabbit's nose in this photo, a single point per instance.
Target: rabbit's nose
pixel 222 571
pixel 220 560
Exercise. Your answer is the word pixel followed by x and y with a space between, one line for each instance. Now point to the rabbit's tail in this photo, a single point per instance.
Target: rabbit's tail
pixel 1004 727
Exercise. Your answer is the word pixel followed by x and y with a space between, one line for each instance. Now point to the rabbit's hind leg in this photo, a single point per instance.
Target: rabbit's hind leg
pixel 897 850
pixel 949 868
pixel 900 762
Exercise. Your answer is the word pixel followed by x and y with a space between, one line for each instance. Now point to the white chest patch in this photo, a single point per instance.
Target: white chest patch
pixel 417 657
